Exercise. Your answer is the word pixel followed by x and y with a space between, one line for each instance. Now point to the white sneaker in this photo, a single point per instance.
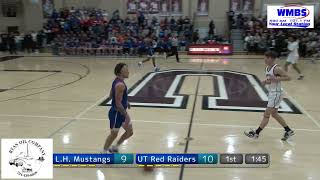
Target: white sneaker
pixel 113 149
pixel 300 77
pixel 251 134
pixel 140 64
pixel 287 134
pixel 156 69
pixel 104 151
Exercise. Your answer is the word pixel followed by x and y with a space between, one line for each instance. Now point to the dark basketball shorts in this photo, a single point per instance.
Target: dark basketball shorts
pixel 116 119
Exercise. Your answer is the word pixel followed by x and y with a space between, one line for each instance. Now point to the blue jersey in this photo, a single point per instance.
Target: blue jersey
pixel 124 101
pixel 150 51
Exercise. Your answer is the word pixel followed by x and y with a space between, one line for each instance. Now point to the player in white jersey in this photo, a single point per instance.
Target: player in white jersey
pixel 275 75
pixel 293 47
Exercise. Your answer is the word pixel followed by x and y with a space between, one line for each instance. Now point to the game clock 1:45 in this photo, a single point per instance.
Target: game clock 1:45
pixel 257 158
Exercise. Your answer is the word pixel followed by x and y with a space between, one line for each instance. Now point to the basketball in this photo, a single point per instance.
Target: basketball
pixel 147 168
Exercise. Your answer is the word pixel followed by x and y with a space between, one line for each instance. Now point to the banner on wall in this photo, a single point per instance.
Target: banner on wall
pixel 248 6
pixel 164 6
pixel 143 6
pixel 135 6
pixel 47 8
pixel 235 5
pixel 242 6
pixel 132 6
pixel 155 6
pixel 176 6
pixel 203 7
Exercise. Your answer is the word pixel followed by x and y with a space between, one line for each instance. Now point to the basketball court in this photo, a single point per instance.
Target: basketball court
pixel 64 98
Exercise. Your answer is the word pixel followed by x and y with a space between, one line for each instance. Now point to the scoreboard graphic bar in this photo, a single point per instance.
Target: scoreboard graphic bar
pixel 208 160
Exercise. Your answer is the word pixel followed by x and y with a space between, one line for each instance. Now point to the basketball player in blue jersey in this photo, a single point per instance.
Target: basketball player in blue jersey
pixel 275 75
pixel 118 115
pixel 151 55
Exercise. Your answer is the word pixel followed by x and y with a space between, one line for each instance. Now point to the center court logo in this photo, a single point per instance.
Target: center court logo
pixel 290 16
pixel 26 158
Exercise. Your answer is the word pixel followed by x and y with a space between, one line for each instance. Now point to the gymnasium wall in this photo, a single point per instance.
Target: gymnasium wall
pixel 217 12
pixel 8 21
pixel 32 15
pixel 29 17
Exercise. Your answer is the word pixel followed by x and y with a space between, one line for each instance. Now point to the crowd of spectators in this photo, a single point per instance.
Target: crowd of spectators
pixel 91 31
pixel 94 32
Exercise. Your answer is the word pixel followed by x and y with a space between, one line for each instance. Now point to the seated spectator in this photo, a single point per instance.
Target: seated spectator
pixel 173 25
pixel 257 41
pixel 127 46
pixel 250 41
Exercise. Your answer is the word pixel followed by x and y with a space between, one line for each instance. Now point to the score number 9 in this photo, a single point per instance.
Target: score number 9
pixel 123 158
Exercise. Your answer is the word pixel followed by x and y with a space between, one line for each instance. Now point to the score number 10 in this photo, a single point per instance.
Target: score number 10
pixel 207 158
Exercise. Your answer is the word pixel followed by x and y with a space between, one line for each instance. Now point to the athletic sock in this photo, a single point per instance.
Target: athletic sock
pixel 287 129
pixel 258 130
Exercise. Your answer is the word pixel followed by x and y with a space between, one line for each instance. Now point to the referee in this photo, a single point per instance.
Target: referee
pixel 174 48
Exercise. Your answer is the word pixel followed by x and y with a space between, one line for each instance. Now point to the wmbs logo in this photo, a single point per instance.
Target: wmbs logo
pixel 290 16
pixel 295 11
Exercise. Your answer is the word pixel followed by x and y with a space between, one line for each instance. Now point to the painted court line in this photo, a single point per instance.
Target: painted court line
pixel 156 122
pixel 77 117
pixel 34 116
pixel 303 110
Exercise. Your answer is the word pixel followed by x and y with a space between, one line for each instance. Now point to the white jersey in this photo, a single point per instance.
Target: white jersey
pixel 273 87
pixel 293 55
pixel 293 47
